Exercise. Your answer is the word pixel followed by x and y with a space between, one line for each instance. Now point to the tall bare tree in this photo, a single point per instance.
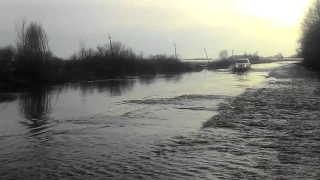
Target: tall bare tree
pixel 33 51
pixel 223 54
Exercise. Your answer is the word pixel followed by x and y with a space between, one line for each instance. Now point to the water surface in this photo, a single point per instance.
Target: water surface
pixel 122 128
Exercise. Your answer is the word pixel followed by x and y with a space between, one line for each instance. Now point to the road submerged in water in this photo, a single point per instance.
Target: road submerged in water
pixel 266 128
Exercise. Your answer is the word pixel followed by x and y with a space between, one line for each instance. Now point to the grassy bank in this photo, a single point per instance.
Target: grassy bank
pixel 221 64
pixel 91 68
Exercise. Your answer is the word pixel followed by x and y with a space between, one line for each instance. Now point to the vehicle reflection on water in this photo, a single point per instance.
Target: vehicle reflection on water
pixel 239 73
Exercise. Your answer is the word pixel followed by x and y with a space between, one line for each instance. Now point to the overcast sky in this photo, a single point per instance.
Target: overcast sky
pixel 151 26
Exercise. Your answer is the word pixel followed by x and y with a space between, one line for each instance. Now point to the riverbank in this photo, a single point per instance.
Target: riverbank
pixel 82 73
pixel 276 126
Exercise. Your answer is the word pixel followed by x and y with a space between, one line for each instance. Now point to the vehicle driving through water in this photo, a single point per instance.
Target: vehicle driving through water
pixel 242 65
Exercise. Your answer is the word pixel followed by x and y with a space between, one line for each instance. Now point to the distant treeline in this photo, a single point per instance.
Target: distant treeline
pixel 309 42
pixel 30 62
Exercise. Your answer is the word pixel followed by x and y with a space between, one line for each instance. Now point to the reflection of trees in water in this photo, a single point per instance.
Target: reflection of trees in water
pixel 118 87
pixel 173 78
pixel 7 98
pixel 35 106
pixel 147 79
pixel 115 87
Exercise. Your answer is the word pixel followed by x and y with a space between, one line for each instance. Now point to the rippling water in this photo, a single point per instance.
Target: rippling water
pixel 153 127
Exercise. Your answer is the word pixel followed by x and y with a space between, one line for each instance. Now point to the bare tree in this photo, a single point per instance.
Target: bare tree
pixel 279 55
pixel 33 51
pixel 33 42
pixel 84 53
pixel 223 54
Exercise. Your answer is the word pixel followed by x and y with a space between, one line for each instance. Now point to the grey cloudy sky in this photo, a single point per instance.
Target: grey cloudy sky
pixel 151 26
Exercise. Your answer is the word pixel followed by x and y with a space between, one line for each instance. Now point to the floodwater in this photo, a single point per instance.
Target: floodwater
pixel 151 127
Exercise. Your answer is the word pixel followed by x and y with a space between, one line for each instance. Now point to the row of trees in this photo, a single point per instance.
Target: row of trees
pixel 279 56
pixel 223 55
pixel 309 42
pixel 32 62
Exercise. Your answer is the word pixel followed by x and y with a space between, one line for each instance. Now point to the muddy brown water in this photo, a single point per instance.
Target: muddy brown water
pixel 207 125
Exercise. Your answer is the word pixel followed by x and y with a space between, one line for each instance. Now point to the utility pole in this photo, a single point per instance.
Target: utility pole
pixel 110 44
pixel 206 54
pixel 175 49
pixel 232 55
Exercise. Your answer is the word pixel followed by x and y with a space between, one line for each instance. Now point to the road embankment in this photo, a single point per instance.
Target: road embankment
pixel 278 123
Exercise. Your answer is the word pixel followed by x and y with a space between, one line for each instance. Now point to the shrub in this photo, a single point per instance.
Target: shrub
pixel 221 64
pixel 6 58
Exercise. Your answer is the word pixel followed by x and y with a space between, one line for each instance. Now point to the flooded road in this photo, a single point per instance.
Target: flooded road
pixel 206 125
